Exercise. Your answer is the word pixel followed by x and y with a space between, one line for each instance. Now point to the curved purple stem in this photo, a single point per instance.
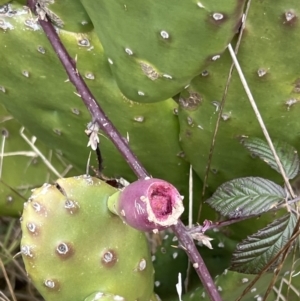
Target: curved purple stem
pixel 99 116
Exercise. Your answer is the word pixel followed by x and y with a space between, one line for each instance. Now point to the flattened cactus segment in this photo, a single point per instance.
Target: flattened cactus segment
pixel 155 48
pixel 231 285
pixel 273 77
pixel 74 247
pixel 168 260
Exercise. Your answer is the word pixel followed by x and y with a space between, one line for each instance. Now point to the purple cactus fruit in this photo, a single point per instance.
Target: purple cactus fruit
pixel 148 204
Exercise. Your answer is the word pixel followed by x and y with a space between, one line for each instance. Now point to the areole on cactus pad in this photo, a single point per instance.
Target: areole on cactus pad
pixel 68 230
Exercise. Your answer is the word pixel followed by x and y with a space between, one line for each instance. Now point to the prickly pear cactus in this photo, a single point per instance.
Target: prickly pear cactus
pixel 58 117
pixel 156 48
pixel 75 249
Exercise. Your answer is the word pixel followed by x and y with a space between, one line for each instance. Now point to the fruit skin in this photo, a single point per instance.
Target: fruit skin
pixel 152 55
pixel 68 230
pixel 148 204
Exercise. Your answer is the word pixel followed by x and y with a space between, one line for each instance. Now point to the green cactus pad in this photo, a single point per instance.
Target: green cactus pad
pixel 155 48
pixel 102 297
pixel 168 261
pixel 57 116
pixel 232 284
pixel 273 77
pixel 73 246
pixel 72 14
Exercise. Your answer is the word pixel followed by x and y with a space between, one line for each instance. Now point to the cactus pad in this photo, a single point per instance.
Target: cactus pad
pixel 155 48
pixel 231 285
pixel 68 231
pixel 273 77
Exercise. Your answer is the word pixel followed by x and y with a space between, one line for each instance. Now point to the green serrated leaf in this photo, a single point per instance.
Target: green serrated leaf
pixel 287 154
pixel 246 196
pixel 254 253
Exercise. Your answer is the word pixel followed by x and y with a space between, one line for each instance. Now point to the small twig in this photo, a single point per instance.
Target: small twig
pixel 191 197
pixel 1 154
pixel 260 120
pixel 13 190
pixel 4 297
pixel 270 143
pixel 38 152
pixel 7 281
pixel 278 291
pixel 188 244
pixel 272 261
pixel 20 153
pixel 228 222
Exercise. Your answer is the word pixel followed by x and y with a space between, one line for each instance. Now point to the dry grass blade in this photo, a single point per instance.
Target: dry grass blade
pixel 14 283
pixel 7 281
pixel 260 120
pixel 3 297
pixel 45 160
pixel 294 237
pixel 284 251
pixel 221 110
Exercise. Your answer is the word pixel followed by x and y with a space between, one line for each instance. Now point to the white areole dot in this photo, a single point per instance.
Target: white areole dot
pixel 200 4
pixel 128 51
pixel 218 16
pixel 164 34
pixel 216 57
